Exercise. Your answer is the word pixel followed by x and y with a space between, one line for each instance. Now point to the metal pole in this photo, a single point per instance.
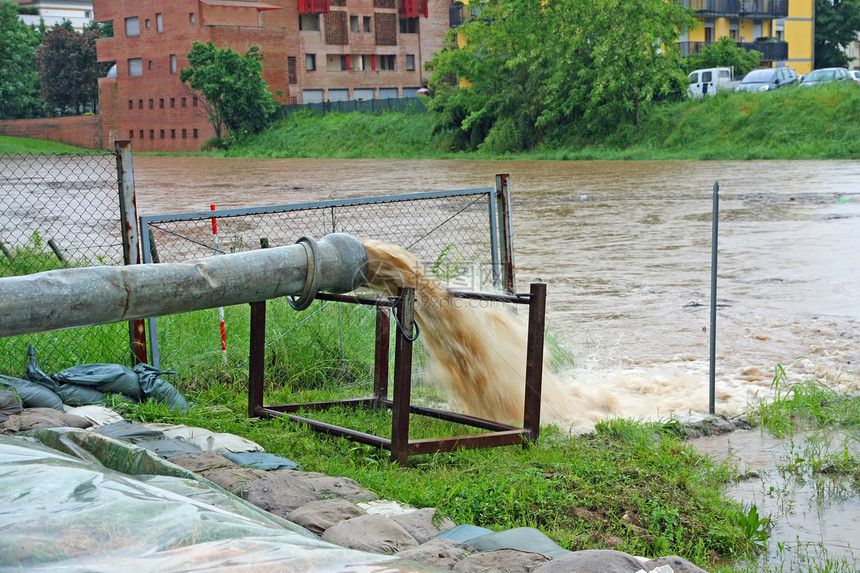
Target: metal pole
pixel 506 232
pixel 130 237
pixel 714 234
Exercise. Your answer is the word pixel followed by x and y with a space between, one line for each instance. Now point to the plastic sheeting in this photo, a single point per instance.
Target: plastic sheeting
pixel 62 513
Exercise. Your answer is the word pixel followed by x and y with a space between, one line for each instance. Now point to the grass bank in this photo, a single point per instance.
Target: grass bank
pixel 791 123
pixel 12 145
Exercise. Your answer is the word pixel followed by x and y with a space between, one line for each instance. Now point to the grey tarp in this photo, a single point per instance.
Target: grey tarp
pixel 64 513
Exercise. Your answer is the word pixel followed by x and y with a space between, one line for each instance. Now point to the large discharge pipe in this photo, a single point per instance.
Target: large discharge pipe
pixel 87 296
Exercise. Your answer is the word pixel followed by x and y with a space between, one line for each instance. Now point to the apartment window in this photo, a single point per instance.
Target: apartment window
pixel 130 104
pixel 386 62
pixel 161 103
pixel 172 134
pixel 86 13
pixel 184 134
pixel 194 133
pixel 409 25
pixel 151 134
pixel 141 134
pixel 194 101
pixel 172 63
pixel 161 133
pixel 367 21
pixel 410 62
pixel 159 24
pixel 309 22
pixel 131 134
pixel 149 64
pixel 183 102
pixel 172 103
pixel 353 24
pixel 140 104
pixel 310 62
pixel 192 17
pixel 344 62
pixel 151 104
pixel 148 25
pixel 132 26
pixel 135 67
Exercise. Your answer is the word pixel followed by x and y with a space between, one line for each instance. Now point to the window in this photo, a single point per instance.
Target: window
pixel 172 63
pixel 386 62
pixel 131 134
pixel 409 25
pixel 309 22
pixel 367 21
pixel 132 26
pixel 135 67
pixel 159 25
pixel 172 103
pixel 161 103
pixel 140 104
pixel 183 102
pixel 151 104
pixel 141 134
pixel 410 62
pixel 184 134
pixel 310 62
pixel 151 134
pixel 161 133
pixel 86 13
pixel 194 101
pixel 149 64
pixel 148 25
pixel 130 104
pixel 192 17
pixel 172 134
pixel 353 24
pixel 194 133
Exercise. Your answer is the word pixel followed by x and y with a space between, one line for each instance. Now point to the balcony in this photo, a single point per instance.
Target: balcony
pixel 458 14
pixel 772 50
pixel 768 9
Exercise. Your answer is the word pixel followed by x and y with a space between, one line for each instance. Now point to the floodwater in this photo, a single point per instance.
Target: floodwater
pixel 625 249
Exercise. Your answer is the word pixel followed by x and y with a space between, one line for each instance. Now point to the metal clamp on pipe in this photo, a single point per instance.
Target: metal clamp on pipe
pixel 309 292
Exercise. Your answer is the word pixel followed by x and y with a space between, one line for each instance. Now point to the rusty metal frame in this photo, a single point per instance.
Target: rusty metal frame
pixel 400 446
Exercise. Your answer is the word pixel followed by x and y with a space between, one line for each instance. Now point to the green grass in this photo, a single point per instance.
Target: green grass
pixel 10 145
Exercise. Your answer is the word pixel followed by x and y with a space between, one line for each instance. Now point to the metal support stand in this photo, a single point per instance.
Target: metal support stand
pixel 400 446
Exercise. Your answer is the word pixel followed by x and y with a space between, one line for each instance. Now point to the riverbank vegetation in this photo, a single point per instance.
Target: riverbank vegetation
pixel 790 123
pixel 11 145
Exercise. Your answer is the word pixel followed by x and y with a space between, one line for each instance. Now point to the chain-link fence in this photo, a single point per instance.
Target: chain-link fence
pixel 451 233
pixel 59 211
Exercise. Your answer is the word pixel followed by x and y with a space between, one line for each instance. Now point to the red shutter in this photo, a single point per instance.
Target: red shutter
pixel 373 62
pixel 347 63
pixel 413 8
pixel 314 6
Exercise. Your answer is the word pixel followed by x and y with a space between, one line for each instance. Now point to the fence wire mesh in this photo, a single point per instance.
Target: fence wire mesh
pixel 448 232
pixel 59 211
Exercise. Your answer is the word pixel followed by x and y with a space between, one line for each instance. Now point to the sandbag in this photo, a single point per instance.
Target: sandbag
pixel 32 395
pixel 70 394
pixel 9 404
pixel 154 387
pixel 111 378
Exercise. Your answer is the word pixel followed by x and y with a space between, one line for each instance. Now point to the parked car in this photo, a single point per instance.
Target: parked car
pixel 766 79
pixel 854 75
pixel 709 81
pixel 825 76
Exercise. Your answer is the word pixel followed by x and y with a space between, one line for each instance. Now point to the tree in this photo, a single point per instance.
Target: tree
pixel 68 69
pixel 836 25
pixel 18 82
pixel 560 68
pixel 724 53
pixel 232 86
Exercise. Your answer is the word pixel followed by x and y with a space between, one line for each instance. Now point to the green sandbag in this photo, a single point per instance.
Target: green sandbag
pixel 157 388
pixel 111 378
pixel 32 395
pixel 71 394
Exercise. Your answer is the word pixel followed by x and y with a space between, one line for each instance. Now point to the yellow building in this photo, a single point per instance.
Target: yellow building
pixel 782 30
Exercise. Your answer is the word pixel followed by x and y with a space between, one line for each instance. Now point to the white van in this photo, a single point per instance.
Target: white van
pixel 709 81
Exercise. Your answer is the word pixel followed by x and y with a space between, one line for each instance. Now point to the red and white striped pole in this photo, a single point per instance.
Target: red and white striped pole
pixel 220 308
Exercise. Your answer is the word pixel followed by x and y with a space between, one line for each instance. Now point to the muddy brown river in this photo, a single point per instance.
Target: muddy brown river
pixel 625 248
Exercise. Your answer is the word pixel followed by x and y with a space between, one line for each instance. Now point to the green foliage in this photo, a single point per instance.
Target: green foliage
pixel 232 87
pixel 105 29
pixel 836 25
pixel 68 70
pixel 570 67
pixel 18 82
pixel 10 145
pixel 724 53
pixel 755 529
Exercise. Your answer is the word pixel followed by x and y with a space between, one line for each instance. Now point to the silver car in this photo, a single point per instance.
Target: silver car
pixel 825 76
pixel 767 79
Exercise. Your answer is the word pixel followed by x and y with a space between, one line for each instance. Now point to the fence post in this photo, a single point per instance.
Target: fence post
pixel 713 355
pixel 506 233
pixel 130 237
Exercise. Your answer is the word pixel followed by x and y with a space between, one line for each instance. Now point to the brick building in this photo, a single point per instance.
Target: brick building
pixel 315 50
